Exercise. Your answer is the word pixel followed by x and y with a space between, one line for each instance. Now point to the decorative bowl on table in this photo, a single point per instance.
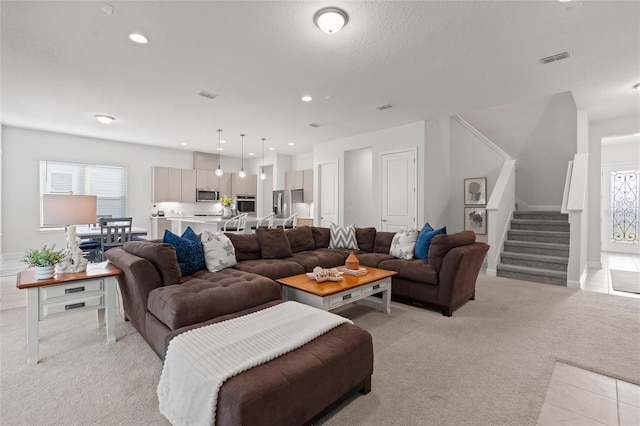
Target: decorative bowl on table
pixel 323 274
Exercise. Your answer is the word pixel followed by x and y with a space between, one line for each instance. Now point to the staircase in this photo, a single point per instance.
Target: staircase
pixel 537 248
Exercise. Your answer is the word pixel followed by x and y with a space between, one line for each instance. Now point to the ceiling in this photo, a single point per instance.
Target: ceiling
pixel 64 62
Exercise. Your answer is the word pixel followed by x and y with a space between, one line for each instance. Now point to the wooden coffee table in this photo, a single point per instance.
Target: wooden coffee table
pixel 329 295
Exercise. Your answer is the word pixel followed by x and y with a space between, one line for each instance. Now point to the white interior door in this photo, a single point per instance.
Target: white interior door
pixel 620 209
pixel 328 192
pixel 398 187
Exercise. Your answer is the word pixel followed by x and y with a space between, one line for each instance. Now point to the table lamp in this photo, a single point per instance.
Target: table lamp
pixel 69 210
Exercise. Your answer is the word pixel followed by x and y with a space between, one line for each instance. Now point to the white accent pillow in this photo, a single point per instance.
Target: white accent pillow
pixel 403 244
pixel 219 252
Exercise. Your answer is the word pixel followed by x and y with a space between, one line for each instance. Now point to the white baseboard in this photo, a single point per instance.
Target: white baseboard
pixel 491 272
pixel 594 265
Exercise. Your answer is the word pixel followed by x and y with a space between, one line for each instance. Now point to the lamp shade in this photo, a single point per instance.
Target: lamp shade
pixel 58 209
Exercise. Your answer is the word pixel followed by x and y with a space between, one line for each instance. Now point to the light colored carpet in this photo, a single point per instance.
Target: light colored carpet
pixel 489 364
pixel 628 281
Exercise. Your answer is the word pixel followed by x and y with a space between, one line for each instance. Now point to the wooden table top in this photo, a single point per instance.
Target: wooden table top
pixel 327 288
pixel 27 278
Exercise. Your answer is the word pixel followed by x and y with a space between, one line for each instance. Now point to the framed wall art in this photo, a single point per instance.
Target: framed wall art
pixel 475 219
pixel 475 191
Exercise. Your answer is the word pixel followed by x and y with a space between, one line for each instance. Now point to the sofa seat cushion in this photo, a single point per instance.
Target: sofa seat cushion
pixel 325 258
pixel 272 268
pixel 412 269
pixel 205 295
pixel 373 259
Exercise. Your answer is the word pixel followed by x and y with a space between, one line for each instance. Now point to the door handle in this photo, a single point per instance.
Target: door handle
pixel 385 220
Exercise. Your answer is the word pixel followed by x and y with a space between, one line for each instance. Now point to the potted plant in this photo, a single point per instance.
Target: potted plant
pixel 44 260
pixel 226 206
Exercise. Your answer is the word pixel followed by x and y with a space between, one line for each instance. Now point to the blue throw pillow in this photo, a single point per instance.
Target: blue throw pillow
pixel 424 241
pixel 190 253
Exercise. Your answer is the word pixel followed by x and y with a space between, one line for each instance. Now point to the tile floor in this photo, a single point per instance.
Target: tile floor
pixel 575 397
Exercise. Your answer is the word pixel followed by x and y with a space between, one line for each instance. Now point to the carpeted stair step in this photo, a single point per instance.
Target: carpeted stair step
pixel 535 261
pixel 540 215
pixel 540 225
pixel 558 237
pixel 532 247
pixel 532 274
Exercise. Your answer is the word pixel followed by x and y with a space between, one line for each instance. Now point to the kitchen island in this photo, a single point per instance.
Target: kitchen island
pixel 209 223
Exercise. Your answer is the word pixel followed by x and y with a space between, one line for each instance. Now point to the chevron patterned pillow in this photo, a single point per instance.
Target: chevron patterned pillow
pixel 344 238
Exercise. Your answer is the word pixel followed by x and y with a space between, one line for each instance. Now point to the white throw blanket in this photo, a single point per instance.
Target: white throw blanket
pixel 200 360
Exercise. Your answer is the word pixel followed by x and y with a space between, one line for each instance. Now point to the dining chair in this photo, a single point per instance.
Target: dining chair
pixel 236 224
pixel 114 232
pixel 291 221
pixel 265 222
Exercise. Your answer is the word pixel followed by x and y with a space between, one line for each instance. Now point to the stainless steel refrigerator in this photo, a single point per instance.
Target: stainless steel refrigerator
pixel 284 200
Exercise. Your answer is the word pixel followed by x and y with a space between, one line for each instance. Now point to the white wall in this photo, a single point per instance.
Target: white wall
pixel 387 140
pixel 436 178
pixel 625 152
pixel 23 149
pixel 302 161
pixel 358 188
pixel 529 131
pixel 597 131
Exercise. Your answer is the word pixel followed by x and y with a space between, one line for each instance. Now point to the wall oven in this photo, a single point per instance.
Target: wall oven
pixel 207 196
pixel 246 204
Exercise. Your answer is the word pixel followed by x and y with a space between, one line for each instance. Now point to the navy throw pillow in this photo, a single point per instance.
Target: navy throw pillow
pixel 189 253
pixel 424 241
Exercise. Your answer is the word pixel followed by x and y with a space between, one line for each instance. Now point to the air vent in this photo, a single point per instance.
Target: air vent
pixel 207 95
pixel 556 57
pixel 385 106
pixel 312 124
pixel 107 8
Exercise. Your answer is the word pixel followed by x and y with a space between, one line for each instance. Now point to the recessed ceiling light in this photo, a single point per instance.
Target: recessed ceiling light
pixel 271 149
pixel 104 119
pixel 291 144
pixel 307 98
pixel 138 38
pixel 251 154
pixel 219 149
pixel 636 86
pixel 637 135
pixel 564 1
pixel 183 143
pixel 328 97
pixel 223 141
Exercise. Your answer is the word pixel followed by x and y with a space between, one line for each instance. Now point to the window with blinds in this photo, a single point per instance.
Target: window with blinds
pixel 108 183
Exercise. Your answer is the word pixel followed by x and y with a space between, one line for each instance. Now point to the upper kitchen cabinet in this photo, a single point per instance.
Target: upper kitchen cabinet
pixel 308 186
pixel 167 184
pixel 205 161
pixel 244 186
pixel 224 185
pixel 206 179
pixel 188 186
pixel 294 180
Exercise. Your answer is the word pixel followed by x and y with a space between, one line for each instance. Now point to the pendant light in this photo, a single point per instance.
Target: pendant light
pixel 242 173
pixel 219 171
pixel 263 175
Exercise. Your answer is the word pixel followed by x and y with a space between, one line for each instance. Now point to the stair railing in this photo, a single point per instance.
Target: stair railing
pixel 500 209
pixel 576 207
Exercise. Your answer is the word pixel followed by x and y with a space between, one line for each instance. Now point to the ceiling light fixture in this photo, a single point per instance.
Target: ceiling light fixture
pixel 242 173
pixel 183 143
pixel 307 98
pixel 636 86
pixel 104 119
pixel 219 171
pixel 271 148
pixel 138 38
pixel 291 144
pixel 331 19
pixel 263 175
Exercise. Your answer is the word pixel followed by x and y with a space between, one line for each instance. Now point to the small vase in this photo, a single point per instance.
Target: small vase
pixel 226 212
pixel 44 272
pixel 352 262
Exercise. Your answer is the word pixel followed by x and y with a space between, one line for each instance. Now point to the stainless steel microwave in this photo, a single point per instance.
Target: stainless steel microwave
pixel 207 196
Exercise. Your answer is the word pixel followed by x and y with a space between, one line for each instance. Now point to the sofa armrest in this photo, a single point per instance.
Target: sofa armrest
pixel 138 278
pixel 458 274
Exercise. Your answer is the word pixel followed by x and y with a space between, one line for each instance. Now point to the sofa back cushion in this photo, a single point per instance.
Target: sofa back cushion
pixel 246 245
pixel 321 236
pixel 300 239
pixel 366 238
pixel 441 244
pixel 162 256
pixel 383 242
pixel 273 243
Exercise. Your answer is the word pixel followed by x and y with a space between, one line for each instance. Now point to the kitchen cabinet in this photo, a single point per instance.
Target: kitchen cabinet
pixel 188 186
pixel 224 185
pixel 305 221
pixel 308 186
pixel 206 179
pixel 244 186
pixel 294 179
pixel 166 184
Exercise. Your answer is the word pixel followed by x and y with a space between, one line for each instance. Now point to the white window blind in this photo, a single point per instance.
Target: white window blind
pixel 108 183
